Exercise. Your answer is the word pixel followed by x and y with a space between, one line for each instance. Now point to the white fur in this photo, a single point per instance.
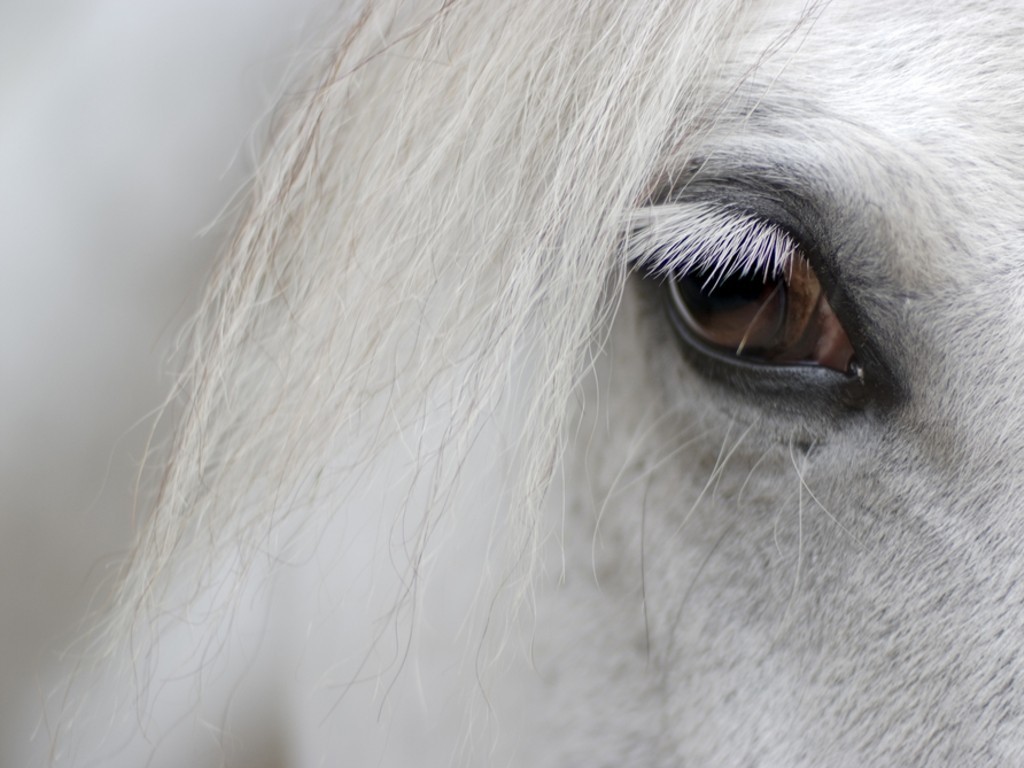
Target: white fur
pixel 443 488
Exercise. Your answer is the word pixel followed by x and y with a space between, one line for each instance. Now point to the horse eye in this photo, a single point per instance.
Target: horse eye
pixel 781 319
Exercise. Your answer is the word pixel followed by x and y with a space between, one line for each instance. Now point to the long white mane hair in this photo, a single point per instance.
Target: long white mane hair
pixel 431 251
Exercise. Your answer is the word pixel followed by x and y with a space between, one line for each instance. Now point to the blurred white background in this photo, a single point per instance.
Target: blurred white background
pixel 125 128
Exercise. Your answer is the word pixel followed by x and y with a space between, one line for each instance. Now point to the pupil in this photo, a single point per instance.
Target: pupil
pixel 726 295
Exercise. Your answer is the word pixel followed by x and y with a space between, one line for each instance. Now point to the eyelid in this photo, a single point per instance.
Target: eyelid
pixel 684 228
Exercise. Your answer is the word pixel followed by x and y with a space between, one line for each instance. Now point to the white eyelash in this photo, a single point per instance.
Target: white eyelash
pixel 717 240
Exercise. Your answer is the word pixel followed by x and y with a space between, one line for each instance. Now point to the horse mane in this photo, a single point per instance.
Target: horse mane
pixel 434 236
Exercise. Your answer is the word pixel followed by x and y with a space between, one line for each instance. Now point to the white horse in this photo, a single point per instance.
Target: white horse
pixel 601 383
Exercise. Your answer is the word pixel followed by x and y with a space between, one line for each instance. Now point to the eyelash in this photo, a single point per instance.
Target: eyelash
pixel 675 239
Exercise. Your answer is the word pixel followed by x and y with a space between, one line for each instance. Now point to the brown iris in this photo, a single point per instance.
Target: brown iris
pixel 781 320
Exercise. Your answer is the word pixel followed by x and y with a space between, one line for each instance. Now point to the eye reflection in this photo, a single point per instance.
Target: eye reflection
pixel 782 319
